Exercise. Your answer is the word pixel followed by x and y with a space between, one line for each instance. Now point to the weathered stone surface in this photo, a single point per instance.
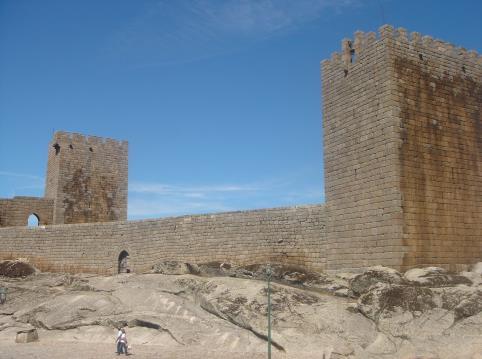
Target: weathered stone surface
pixel 401 121
pixel 16 268
pixel 293 275
pixel 87 178
pixel 26 336
pixel 475 278
pixel 342 292
pixel 361 283
pixel 435 277
pixel 181 311
pixel 184 309
pixel 382 345
pixel 383 298
pixel 469 306
pixel 464 301
pixel 171 267
pixel 71 310
pixel 477 268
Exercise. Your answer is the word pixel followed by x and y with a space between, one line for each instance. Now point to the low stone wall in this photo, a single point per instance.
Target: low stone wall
pixel 292 236
pixel 15 211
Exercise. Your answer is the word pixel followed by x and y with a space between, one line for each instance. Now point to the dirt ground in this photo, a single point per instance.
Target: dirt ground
pixel 38 350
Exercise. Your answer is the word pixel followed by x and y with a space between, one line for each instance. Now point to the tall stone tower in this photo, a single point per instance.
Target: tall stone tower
pixel 87 178
pixel 403 152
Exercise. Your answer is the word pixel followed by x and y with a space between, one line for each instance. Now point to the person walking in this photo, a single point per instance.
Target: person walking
pixel 118 342
pixel 123 341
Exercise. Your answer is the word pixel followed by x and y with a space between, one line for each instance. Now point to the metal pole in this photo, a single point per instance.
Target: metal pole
pixel 268 272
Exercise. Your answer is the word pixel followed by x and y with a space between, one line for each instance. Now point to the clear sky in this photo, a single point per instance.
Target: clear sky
pixel 219 100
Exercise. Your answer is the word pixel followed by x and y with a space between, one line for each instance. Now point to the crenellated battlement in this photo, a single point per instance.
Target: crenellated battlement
pixel 74 140
pixel 352 49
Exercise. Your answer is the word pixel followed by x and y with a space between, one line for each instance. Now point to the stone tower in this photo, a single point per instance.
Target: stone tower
pixel 86 178
pixel 403 152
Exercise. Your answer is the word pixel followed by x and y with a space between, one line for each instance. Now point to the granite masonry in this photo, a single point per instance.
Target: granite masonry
pixel 403 152
pixel 281 235
pixel 403 180
pixel 86 182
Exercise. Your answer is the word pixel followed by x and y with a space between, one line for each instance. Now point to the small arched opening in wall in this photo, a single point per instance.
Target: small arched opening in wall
pixel 33 220
pixel 123 262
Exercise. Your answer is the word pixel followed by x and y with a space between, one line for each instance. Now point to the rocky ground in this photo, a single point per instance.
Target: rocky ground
pixel 217 310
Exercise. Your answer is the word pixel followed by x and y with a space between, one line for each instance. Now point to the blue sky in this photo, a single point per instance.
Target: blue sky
pixel 219 100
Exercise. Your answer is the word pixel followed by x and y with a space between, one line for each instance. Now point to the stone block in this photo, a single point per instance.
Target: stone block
pixel 26 336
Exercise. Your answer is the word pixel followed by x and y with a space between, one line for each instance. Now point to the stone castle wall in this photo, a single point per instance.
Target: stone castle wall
pixel 360 146
pixel 438 91
pixel 293 236
pixel 15 211
pixel 87 178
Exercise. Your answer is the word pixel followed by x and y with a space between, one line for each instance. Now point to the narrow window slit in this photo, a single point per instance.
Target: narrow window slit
pixel 57 148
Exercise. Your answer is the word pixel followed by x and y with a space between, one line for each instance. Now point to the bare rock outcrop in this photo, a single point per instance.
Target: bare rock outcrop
pixel 474 274
pixel 383 298
pixel 393 317
pixel 291 275
pixel 477 268
pixel 361 283
pixel 16 268
pixel 434 277
pixel 171 267
pixel 463 300
pixel 71 310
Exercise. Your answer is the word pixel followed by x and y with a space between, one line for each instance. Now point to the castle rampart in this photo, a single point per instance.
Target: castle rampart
pixel 402 119
pixel 282 235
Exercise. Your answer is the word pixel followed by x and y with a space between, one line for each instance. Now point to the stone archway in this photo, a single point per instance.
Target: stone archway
pixel 123 262
pixel 33 220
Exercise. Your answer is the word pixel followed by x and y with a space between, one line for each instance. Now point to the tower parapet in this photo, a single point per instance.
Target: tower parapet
pixel 351 49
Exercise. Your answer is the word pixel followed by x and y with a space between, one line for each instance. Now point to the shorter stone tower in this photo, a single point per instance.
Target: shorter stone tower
pixel 86 178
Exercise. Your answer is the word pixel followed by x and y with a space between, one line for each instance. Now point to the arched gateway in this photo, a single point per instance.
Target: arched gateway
pixel 123 262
